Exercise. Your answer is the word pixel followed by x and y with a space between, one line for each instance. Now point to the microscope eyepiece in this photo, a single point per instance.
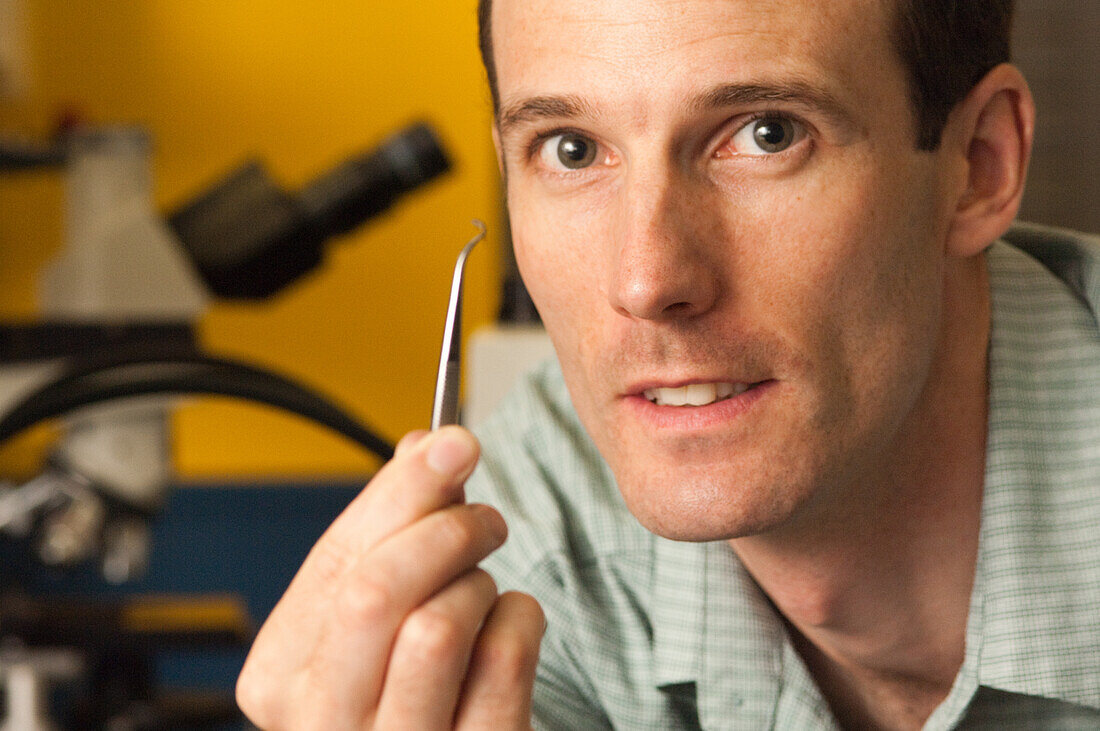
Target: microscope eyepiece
pixel 248 238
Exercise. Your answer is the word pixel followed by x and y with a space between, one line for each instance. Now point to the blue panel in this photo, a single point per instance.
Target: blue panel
pixel 245 540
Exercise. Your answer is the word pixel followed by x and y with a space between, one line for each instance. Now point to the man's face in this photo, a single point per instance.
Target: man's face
pixel 724 195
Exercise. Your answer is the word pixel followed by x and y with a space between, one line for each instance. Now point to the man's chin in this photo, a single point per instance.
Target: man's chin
pixel 704 512
pixel 694 532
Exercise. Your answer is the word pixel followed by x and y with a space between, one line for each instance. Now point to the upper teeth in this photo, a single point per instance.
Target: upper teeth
pixel 695 394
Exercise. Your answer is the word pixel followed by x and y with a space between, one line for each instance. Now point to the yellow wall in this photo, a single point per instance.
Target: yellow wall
pixel 302 85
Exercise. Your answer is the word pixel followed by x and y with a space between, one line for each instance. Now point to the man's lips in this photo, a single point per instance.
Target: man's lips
pixel 697 404
pixel 698 391
pixel 695 394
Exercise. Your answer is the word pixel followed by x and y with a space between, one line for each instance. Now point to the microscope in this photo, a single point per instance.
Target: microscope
pixel 114 347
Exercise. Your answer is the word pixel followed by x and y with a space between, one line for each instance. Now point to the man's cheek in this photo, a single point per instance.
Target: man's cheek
pixel 555 267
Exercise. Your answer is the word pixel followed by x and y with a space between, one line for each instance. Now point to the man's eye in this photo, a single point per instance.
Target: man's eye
pixel 766 136
pixel 571 151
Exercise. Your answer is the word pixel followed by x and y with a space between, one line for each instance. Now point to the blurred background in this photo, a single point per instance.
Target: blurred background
pixel 301 86
pixel 141 554
pixel 1056 45
pixel 127 599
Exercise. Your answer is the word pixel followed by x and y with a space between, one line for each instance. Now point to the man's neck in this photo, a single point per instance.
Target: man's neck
pixel 877 602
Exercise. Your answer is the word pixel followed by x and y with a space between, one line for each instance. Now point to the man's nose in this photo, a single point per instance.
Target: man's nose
pixel 663 263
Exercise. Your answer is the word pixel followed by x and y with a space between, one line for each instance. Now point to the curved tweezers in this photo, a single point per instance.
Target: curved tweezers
pixel 445 405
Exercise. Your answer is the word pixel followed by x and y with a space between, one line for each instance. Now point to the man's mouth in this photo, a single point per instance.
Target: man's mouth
pixel 695 394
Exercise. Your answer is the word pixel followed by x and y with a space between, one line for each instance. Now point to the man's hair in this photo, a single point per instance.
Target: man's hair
pixel 947 46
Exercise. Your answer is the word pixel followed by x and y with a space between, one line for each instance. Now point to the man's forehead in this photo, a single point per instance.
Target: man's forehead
pixel 632 12
pixel 566 42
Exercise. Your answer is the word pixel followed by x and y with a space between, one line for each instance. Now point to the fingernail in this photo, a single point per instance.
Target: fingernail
pixel 410 440
pixel 451 452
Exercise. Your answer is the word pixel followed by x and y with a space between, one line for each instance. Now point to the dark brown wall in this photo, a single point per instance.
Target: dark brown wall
pixel 1057 44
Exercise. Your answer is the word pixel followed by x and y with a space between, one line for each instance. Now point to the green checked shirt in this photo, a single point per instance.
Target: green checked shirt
pixel 647 633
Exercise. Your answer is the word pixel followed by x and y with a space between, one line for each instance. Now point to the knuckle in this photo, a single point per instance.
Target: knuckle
pixel 529 605
pixel 330 560
pixel 494 523
pixel 255 698
pixel 511 655
pixel 364 600
pixel 484 581
pixel 460 529
pixel 431 635
pixel 513 649
pixel 316 708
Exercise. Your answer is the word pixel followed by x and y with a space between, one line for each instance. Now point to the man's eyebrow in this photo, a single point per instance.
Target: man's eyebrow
pixel 787 92
pixel 542 107
pixel 726 95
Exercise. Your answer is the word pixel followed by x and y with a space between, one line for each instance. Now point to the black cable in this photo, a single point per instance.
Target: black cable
pixel 17 155
pixel 150 372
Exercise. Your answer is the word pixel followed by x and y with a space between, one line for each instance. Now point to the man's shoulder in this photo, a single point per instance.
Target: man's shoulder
pixel 1072 256
pixel 1044 352
pixel 1039 564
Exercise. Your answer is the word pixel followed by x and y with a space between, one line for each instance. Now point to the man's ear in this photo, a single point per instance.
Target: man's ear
pixel 991 130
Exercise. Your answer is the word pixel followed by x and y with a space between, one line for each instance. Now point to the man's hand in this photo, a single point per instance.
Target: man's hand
pixel 389 623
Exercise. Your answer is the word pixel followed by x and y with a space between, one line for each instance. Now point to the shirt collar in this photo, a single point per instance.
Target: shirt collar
pixel 727 639
pixel 678 614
